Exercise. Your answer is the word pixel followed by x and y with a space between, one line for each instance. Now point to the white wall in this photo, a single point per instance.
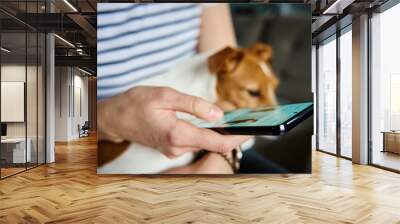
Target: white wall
pixel 70 83
pixel 62 81
pixel 33 126
pixel 12 73
pixel 81 84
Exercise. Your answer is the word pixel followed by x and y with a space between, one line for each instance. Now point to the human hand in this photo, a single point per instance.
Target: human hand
pixel 147 115
pixel 210 163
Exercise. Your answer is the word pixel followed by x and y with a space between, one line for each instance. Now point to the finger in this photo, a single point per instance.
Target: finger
pixel 187 135
pixel 196 106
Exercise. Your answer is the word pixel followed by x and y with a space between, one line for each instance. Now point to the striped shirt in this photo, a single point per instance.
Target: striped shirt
pixel 136 41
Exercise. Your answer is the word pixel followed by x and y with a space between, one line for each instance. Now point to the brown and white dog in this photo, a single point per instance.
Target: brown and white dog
pixel 244 77
pixel 232 78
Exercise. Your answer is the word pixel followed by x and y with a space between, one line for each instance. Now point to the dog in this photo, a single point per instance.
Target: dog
pixel 232 78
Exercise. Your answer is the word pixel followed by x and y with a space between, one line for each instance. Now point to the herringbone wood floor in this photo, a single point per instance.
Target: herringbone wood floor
pixel 69 191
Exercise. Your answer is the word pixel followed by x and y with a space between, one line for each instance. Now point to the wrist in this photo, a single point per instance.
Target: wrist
pixel 215 163
pixel 232 158
pixel 105 126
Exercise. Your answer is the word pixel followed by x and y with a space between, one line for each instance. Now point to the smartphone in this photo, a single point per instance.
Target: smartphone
pixel 275 120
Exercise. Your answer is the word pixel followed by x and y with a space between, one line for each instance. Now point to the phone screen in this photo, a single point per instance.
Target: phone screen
pixel 260 117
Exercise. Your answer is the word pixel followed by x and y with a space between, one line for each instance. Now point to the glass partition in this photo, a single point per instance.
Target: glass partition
pixel 385 89
pixel 327 95
pixel 22 77
pixel 346 93
pixel 14 150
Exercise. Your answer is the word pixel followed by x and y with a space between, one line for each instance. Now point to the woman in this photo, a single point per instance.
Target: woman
pixel 138 41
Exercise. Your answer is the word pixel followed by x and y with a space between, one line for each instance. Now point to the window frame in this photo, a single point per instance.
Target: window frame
pixel 381 9
pixel 333 37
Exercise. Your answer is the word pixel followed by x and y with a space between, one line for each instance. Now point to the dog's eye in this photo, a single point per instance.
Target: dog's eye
pixel 255 93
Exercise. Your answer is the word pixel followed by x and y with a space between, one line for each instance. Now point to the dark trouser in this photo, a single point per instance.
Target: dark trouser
pixel 253 162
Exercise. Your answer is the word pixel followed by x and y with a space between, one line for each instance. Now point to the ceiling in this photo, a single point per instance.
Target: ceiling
pixel 75 21
pixel 330 15
pixel 72 20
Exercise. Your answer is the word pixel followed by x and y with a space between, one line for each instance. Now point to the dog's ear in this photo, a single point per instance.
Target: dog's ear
pixel 262 51
pixel 224 60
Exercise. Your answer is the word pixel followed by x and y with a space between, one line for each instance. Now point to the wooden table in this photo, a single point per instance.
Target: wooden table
pixel 391 141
